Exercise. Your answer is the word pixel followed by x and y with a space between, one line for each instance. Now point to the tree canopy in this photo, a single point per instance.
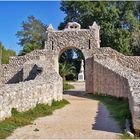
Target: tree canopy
pixel 119 21
pixel 5 54
pixel 32 35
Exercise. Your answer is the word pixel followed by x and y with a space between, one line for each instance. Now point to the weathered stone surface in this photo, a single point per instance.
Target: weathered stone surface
pixel 46 87
pixel 13 73
pixel 112 78
pixel 58 41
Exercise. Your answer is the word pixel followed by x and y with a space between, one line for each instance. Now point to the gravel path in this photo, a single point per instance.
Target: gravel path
pixel 83 118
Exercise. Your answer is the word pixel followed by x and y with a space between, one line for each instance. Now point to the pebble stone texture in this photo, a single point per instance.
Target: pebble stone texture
pixel 34 78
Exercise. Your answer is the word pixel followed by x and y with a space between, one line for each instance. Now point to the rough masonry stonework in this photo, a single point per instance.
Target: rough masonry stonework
pixel 34 78
pixel 43 86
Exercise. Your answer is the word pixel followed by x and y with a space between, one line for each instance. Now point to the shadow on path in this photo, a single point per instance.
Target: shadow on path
pixel 76 93
pixel 103 119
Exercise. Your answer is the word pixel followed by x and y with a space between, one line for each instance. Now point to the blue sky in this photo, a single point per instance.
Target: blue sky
pixel 13 13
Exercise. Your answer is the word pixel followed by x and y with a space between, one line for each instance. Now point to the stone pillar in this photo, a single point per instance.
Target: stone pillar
pixel 96 29
pixel 81 76
pixel 89 74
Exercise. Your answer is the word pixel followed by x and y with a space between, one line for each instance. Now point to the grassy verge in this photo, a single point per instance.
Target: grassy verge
pixel 118 107
pixel 67 86
pixel 19 119
pixel 126 136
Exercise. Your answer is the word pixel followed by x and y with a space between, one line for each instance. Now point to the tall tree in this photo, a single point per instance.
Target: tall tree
pixel 32 35
pixel 136 42
pixel 118 20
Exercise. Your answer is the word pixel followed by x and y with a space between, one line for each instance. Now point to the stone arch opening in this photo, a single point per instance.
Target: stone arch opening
pixel 72 62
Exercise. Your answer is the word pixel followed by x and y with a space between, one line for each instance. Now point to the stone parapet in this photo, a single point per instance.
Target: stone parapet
pixel 44 88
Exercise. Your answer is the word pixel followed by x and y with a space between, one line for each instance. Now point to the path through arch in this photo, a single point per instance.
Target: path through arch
pixel 71 60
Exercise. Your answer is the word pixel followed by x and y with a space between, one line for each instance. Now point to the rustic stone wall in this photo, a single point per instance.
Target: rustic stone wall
pixel 112 78
pixel 13 73
pixel 132 62
pixel 107 82
pixel 46 87
pixel 83 39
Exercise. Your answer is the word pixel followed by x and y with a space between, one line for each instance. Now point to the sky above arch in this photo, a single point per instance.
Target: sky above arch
pixel 13 13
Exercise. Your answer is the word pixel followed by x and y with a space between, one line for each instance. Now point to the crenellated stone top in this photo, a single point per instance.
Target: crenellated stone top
pixel 73 36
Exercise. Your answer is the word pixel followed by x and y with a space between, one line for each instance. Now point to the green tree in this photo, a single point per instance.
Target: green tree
pixel 118 20
pixel 5 54
pixel 135 36
pixel 68 55
pixel 66 69
pixel 32 35
pixel 72 56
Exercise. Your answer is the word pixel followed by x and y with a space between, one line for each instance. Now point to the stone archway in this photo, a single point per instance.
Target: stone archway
pixel 85 40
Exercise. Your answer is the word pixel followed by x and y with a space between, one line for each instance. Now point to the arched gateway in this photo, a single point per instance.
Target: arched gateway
pixel 35 78
pixel 72 36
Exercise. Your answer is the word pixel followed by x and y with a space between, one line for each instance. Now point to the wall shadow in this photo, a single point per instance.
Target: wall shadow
pixel 104 121
pixel 34 72
pixel 76 93
pixel 18 77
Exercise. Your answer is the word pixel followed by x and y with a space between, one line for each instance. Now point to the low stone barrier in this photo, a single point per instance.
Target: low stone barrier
pixel 46 87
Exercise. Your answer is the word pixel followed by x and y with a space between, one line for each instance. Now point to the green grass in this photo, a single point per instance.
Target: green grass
pixel 67 86
pixel 19 119
pixel 118 107
pixel 126 136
